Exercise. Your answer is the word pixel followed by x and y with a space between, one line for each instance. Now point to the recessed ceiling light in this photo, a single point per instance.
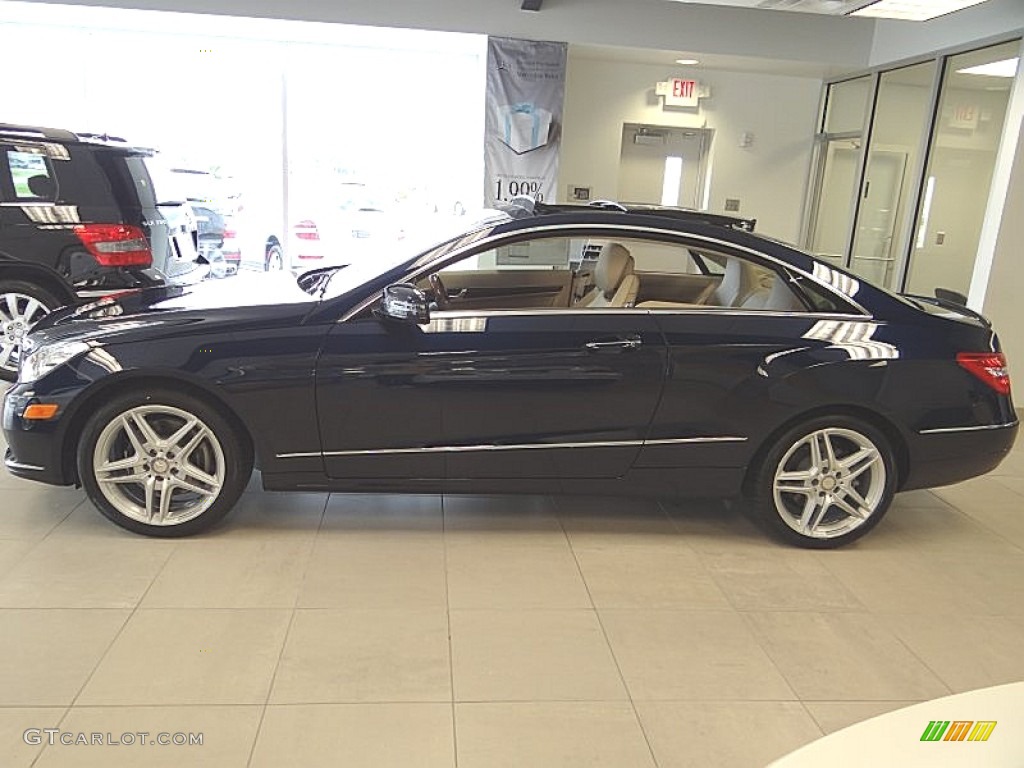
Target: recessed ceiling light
pixel 1004 68
pixel 687 61
pixel 914 10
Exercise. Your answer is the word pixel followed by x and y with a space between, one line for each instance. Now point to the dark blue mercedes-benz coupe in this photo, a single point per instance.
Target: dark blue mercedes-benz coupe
pixel 589 349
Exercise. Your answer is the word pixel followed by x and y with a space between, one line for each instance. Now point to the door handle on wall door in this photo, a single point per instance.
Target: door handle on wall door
pixel 615 345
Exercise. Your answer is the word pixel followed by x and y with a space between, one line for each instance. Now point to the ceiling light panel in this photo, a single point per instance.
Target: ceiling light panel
pixel 914 10
pixel 1004 68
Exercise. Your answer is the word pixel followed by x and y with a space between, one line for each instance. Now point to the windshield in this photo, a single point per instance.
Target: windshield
pixel 414 251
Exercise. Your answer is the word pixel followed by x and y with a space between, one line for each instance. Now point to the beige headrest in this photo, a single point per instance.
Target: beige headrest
pixel 613 264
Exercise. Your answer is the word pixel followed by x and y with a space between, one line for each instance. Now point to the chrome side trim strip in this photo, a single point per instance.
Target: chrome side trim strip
pixel 24 467
pixel 517 447
pixel 980 428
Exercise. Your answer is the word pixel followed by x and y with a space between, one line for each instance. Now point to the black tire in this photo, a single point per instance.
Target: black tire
pixel 825 490
pixel 10 332
pixel 235 461
pixel 275 255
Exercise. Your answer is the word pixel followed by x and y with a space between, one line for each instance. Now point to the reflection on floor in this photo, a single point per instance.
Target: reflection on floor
pixel 489 631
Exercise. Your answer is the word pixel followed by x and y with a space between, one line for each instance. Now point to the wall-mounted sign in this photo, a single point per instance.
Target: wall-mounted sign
pixel 680 92
pixel 525 89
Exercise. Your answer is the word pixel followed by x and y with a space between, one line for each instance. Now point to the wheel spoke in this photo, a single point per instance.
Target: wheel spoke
pixel 794 487
pixel 12 306
pixel 816 460
pixel 859 462
pixel 843 504
pixel 165 500
pixel 106 473
pixel 180 435
pixel 193 472
pixel 187 484
pixel 830 452
pixel 808 520
pixel 150 438
pixel 6 353
pixel 30 309
pixel 150 486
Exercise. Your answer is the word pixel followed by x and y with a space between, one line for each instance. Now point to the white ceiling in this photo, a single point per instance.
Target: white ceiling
pixel 828 7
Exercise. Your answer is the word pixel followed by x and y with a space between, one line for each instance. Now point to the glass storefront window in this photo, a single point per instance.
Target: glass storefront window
pixel 901 118
pixel 838 158
pixel 972 109
pixel 846 105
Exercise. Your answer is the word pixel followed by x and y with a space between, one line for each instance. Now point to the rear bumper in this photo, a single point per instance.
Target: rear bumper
pixel 946 456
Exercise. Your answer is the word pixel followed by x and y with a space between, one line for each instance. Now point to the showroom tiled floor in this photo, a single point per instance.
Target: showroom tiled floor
pixel 482 632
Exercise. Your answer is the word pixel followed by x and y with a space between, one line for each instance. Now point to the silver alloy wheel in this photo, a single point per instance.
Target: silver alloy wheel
pixel 159 465
pixel 829 483
pixel 18 311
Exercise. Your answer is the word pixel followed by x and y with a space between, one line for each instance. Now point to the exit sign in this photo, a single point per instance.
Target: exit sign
pixel 680 92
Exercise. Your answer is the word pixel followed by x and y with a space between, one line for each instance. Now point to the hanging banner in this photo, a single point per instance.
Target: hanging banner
pixel 525 89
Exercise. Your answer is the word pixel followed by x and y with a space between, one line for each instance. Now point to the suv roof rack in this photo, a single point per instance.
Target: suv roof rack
pixel 35 132
pixel 525 207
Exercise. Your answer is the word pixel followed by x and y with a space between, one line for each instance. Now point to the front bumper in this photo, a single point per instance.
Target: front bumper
pixel 34 447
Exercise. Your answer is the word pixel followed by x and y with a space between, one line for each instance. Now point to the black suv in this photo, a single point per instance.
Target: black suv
pixel 78 219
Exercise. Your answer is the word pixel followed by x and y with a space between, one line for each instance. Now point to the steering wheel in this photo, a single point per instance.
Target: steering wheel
pixel 440 292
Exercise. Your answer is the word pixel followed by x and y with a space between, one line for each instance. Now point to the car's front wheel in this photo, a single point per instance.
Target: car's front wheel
pixel 21 305
pixel 162 463
pixel 826 482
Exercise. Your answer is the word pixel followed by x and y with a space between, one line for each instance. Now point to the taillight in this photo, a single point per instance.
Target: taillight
pixel 230 234
pixel 306 230
pixel 990 367
pixel 116 245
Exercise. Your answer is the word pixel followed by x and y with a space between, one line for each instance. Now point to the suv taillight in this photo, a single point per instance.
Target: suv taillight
pixel 306 230
pixel 990 367
pixel 116 245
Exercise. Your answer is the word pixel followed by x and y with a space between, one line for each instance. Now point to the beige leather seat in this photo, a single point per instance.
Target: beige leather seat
pixel 738 284
pixel 779 298
pixel 615 285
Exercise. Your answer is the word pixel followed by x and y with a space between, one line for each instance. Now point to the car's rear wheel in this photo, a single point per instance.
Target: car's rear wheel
pixel 275 259
pixel 21 305
pixel 826 482
pixel 162 463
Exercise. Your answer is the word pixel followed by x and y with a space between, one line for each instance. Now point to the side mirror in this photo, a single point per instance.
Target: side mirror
pixel 404 303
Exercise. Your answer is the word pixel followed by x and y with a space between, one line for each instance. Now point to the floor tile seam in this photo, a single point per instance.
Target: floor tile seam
pixel 608 644
pixel 448 621
pixel 36 543
pixel 110 645
pixel 287 632
pixel 747 621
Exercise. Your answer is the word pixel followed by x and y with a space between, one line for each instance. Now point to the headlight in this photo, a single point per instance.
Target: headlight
pixel 39 361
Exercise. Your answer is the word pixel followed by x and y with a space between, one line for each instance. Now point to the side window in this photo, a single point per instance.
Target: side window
pixel 551 253
pixel 31 176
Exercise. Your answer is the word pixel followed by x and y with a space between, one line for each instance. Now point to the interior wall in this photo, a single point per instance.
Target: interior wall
pixel 1003 300
pixel 895 40
pixel 768 177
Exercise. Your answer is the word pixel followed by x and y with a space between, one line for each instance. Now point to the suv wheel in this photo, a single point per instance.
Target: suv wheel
pixel 275 259
pixel 21 305
pixel 162 463
pixel 827 482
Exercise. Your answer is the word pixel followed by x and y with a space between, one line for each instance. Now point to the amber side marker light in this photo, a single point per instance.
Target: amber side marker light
pixel 40 411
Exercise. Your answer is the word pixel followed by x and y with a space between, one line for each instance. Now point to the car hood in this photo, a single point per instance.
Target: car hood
pixel 244 300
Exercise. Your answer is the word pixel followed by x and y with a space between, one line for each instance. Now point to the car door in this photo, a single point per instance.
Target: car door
pixel 490 392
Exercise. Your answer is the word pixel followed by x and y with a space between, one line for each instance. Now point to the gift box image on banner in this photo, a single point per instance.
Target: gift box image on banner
pixel 526 126
pixel 525 90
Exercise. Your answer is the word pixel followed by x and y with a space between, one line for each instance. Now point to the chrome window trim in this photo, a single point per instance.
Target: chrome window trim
pixel 517 447
pixel 458 313
pixel 554 229
pixel 979 428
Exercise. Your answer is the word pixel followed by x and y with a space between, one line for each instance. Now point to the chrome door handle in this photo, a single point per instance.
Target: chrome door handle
pixel 630 342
